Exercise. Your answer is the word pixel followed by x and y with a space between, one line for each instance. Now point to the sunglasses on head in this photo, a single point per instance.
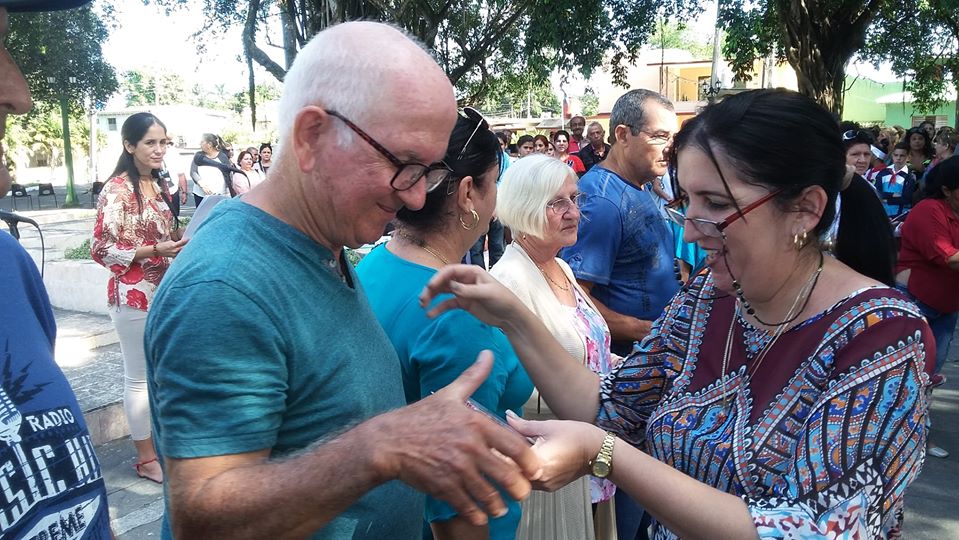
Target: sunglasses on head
pixel 853 133
pixel 474 115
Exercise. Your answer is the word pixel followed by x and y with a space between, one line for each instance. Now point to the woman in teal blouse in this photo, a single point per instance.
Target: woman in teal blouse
pixel 433 352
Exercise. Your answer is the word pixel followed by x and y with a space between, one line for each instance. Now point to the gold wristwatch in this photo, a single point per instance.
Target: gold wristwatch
pixel 602 465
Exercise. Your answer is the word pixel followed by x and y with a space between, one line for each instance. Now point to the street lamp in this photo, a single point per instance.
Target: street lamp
pixel 71 198
pixel 711 89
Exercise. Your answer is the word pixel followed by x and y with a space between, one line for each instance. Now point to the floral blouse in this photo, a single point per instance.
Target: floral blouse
pixel 822 439
pixel 599 359
pixel 119 230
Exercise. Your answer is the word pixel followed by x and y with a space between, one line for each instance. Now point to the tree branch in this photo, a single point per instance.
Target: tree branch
pixel 253 51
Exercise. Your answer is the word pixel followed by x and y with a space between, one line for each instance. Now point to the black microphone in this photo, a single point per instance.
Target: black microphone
pixel 12 221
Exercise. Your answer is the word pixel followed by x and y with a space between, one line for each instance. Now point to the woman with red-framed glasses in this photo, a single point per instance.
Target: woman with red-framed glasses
pixel 783 392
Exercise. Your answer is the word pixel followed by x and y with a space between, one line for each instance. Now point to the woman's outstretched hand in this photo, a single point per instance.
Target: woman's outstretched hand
pixel 563 447
pixel 473 290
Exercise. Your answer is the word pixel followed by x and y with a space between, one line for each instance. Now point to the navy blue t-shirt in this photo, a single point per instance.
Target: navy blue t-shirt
pixel 625 246
pixel 50 481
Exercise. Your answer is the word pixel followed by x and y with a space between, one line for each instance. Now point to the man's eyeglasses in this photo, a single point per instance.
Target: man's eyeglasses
pixel 713 228
pixel 565 204
pixel 407 173
pixel 658 138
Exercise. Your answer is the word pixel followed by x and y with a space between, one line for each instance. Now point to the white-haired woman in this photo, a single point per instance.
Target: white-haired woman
pixel 538 201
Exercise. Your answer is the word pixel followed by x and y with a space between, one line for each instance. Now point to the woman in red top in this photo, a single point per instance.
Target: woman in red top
pixel 561 142
pixel 928 267
pixel 132 238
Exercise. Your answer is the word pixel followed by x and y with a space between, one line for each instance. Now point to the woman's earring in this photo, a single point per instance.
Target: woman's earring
pixel 476 221
pixel 800 240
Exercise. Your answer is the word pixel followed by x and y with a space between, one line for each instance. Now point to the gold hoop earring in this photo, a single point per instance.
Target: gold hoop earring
pixel 800 240
pixel 475 221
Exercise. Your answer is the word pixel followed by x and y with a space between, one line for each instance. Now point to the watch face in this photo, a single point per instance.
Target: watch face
pixel 600 469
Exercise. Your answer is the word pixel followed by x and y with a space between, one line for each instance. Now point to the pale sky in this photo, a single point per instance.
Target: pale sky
pixel 146 37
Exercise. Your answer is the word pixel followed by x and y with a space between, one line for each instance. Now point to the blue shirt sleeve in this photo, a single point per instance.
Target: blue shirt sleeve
pixel 600 233
pixel 211 391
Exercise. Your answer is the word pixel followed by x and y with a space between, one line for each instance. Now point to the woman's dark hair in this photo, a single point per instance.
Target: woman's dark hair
pixel 239 157
pixel 754 129
pixel 482 153
pixel 133 130
pixel 943 175
pixel 560 132
pixel 927 142
pixel 543 138
pixel 266 145
pixel 503 137
pixel 215 141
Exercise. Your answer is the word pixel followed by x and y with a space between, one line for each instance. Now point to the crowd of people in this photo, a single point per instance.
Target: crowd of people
pixel 776 386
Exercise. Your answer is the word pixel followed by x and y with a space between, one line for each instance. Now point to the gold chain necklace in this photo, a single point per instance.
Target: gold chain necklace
pixel 545 275
pixel 424 246
pixel 805 291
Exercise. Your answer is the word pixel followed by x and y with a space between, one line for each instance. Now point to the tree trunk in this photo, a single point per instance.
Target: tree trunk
pixel 820 37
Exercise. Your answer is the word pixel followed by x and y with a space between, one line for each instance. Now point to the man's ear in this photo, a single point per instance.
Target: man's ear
pixel 312 130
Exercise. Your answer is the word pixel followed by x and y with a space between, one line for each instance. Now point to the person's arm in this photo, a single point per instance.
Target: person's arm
pixel 862 442
pixel 183 188
pixel 570 388
pixel 436 445
pixel 929 232
pixel 688 507
pixel 621 327
pixel 194 169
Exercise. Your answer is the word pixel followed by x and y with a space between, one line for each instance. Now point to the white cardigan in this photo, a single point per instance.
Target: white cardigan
pixel 521 275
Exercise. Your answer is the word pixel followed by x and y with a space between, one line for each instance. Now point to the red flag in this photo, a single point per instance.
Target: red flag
pixel 565 106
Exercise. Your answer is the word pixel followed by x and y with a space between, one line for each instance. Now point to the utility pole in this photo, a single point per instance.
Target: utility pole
pixel 71 198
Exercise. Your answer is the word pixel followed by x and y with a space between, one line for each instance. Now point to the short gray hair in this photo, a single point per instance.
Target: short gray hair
pixel 630 108
pixel 330 71
pixel 525 189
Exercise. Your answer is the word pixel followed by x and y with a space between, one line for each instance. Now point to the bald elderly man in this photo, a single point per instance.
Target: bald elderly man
pixel 276 397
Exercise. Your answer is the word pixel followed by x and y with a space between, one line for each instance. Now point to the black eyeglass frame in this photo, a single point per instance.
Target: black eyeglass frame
pixel 432 180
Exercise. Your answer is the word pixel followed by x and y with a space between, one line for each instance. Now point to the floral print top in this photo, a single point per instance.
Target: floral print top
pixel 592 327
pixel 121 227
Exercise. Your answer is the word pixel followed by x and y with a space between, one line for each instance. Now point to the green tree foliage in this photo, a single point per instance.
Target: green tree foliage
pixel 589 102
pixel 676 35
pixel 40 131
pixel 152 87
pixel 819 37
pixel 921 40
pixel 482 44
pixel 61 45
pixel 518 96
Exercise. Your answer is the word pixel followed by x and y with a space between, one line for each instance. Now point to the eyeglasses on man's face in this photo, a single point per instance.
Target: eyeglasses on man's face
pixel 656 138
pixel 408 173
pixel 564 204
pixel 710 228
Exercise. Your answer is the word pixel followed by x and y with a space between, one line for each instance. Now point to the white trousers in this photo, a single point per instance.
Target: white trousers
pixel 130 324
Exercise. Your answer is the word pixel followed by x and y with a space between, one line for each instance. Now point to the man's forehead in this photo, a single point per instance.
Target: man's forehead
pixel 659 118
